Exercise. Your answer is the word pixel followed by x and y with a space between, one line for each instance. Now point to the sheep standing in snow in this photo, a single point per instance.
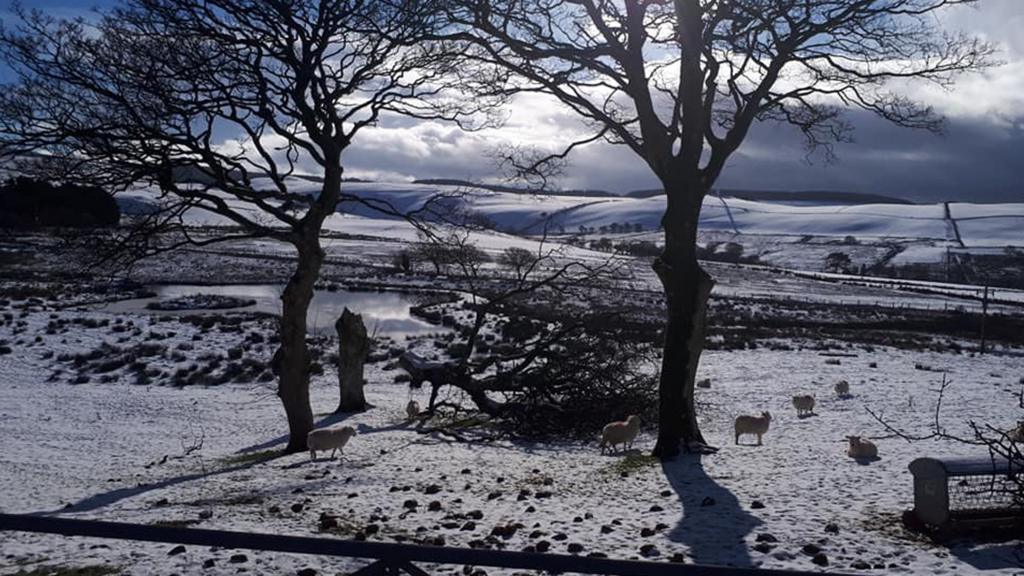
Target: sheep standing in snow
pixel 620 433
pixel 333 439
pixel 861 449
pixel 842 388
pixel 412 409
pixel 804 405
pixel 753 425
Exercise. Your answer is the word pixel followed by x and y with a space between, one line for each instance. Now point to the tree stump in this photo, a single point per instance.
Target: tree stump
pixel 353 348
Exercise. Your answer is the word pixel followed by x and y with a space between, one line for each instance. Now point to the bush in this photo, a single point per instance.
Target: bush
pixel 27 203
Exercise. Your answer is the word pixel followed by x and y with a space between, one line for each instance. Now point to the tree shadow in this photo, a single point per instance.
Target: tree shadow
pixel 327 420
pixel 105 499
pixel 714 525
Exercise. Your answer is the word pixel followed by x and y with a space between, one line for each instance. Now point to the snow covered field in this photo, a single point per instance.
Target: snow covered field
pixel 119 446
pixel 117 451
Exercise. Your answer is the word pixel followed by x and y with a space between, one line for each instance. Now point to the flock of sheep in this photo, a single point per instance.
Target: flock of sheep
pixel 625 432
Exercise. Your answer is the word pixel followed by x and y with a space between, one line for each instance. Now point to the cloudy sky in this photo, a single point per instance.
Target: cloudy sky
pixel 980 157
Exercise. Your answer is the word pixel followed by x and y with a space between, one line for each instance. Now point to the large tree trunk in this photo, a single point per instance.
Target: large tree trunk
pixel 353 348
pixel 687 289
pixel 292 360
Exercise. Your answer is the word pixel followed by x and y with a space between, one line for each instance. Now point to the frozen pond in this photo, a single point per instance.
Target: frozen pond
pixel 385 313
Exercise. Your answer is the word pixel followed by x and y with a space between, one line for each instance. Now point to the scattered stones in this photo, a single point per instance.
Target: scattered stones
pixel 371 529
pixel 606 529
pixel 677 558
pixel 434 506
pixel 763 547
pixel 176 550
pixel 161 503
pixel 209 563
pixel 543 546
pixel 861 565
pixel 432 489
pixel 666 493
pixel 574 548
pixel 578 519
pixel 536 534
pixel 757 505
pixel 832 528
pixel 531 509
pixel 766 537
pixel 505 532
pixel 410 504
pixel 646 532
pixel 306 572
pixel 811 549
pixel 468 526
pixel 298 507
pixel 542 494
pixel 820 559
pixel 327 522
pixel 494 495
pixel 559 537
pixel 238 559
pixel 205 514
pixel 475 514
pixel 649 550
pixel 656 508
pixel 466 471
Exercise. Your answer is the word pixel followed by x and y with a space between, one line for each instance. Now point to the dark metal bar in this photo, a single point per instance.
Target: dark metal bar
pixel 391 554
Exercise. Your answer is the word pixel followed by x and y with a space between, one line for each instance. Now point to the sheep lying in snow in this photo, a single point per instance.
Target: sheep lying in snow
pixel 412 409
pixel 861 449
pixel 620 433
pixel 804 404
pixel 333 439
pixel 753 425
pixel 1017 434
pixel 842 388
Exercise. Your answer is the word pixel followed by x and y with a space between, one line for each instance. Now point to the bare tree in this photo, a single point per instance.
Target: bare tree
pixel 681 83
pixel 236 95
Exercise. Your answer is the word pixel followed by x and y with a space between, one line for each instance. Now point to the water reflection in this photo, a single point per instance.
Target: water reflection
pixel 385 313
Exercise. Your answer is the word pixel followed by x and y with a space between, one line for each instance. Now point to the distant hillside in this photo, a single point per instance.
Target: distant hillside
pixel 513 189
pixel 824 196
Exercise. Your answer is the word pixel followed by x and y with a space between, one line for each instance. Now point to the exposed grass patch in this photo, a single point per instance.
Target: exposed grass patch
pixel 250 457
pixel 633 463
pixel 179 523
pixel 97 570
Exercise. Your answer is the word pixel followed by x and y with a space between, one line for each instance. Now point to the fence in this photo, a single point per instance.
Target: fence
pixel 386 558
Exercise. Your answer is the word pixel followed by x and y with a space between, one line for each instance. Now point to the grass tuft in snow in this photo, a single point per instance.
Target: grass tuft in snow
pixel 632 463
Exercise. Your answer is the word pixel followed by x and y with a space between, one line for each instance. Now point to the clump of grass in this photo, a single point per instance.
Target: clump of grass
pixel 633 463
pixel 250 457
pixel 97 570
pixel 177 523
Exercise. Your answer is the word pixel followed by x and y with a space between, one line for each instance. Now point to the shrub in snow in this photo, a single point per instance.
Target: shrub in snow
pixel 842 388
pixel 333 439
pixel 412 409
pixel 624 433
pixel 752 425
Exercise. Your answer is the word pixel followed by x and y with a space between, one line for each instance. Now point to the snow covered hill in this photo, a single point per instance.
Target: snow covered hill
pixel 977 225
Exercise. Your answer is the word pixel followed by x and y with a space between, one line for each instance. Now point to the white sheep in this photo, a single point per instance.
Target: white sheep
pixel 412 409
pixel 1017 434
pixel 804 404
pixel 333 439
pixel 753 425
pixel 842 388
pixel 861 449
pixel 623 433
